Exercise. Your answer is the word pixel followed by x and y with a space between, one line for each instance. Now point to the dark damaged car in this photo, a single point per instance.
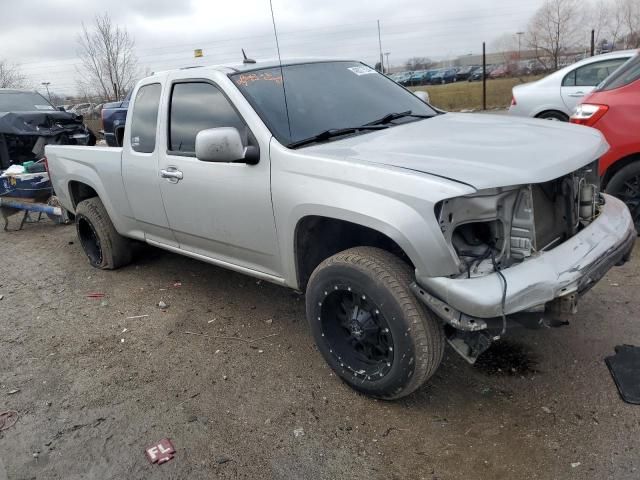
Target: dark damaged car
pixel 28 122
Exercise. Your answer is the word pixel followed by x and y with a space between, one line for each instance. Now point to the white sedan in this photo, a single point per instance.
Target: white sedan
pixel 555 96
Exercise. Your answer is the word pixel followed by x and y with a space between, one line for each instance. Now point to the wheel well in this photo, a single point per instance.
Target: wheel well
pixel 318 238
pixel 80 191
pixel 539 115
pixel 617 166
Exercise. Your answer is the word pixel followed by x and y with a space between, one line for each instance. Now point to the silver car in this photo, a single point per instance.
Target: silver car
pixel 555 96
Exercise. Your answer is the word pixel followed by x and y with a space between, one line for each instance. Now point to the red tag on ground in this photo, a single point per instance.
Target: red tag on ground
pixel 161 452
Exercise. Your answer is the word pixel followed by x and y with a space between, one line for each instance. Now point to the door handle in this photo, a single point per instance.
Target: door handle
pixel 172 174
pixel 577 94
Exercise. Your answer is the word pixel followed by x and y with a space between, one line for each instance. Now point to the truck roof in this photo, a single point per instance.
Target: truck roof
pixel 14 90
pixel 231 68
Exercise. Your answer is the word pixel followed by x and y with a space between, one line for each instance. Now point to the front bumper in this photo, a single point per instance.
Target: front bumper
pixel 569 269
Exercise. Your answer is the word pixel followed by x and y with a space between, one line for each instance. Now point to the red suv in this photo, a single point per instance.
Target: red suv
pixel 614 109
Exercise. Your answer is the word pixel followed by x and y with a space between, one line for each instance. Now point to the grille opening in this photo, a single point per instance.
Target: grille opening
pixel 478 239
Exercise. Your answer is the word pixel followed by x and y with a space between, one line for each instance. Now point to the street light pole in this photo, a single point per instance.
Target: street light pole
pixel 380 46
pixel 46 85
pixel 519 41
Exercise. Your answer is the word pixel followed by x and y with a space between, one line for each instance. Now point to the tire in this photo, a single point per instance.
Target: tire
pixel 625 185
pixel 369 327
pixel 104 246
pixel 553 115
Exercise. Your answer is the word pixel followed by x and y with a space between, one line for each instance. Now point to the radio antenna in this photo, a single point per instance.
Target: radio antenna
pixel 284 89
pixel 247 60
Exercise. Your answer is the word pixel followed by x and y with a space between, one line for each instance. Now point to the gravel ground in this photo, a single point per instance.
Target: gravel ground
pixel 96 388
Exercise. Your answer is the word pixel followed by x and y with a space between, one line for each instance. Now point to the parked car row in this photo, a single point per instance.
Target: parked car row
pixel 436 76
pixel 470 73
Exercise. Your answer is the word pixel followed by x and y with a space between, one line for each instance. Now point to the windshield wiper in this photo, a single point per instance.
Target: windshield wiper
pixel 334 132
pixel 394 116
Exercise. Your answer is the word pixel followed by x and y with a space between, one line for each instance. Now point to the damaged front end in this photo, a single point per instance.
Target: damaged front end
pixel 23 135
pixel 525 252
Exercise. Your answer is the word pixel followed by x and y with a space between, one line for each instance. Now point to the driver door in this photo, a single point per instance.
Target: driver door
pixel 221 211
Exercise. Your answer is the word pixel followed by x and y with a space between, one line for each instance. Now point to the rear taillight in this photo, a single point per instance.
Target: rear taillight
pixel 588 114
pixel 513 101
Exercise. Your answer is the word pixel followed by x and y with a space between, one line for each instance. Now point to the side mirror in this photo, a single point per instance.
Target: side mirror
pixel 224 145
pixel 422 95
pixel 61 109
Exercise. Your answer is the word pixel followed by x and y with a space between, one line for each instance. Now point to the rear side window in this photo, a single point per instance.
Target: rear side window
pixel 144 119
pixel 592 74
pixel 198 106
pixel 629 73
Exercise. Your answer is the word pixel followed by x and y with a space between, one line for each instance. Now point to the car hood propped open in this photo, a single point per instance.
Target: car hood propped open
pixel 44 124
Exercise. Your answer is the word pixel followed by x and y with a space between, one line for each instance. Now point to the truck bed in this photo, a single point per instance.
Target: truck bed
pixel 98 167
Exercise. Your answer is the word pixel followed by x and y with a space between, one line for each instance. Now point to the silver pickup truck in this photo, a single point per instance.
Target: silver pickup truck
pixel 405 226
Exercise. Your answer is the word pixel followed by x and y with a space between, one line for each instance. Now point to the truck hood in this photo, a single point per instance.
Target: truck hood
pixel 484 151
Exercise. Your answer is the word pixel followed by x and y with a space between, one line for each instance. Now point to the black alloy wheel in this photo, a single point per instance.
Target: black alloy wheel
pixel 369 326
pixel 356 332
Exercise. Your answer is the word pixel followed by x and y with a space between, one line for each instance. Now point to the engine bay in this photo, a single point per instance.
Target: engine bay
pixel 497 228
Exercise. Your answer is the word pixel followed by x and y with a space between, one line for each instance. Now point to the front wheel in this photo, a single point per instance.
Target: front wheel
pixel 625 185
pixel 370 328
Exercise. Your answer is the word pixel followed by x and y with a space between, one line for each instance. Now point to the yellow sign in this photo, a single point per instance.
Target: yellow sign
pixel 197 53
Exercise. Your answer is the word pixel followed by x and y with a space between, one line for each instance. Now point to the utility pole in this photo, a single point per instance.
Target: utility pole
pixel 380 46
pixel 386 54
pixel 593 42
pixel 519 43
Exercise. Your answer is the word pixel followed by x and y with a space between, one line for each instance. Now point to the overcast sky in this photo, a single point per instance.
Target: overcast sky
pixel 41 34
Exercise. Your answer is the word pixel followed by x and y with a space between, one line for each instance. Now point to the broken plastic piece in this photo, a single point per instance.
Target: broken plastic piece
pixel 161 452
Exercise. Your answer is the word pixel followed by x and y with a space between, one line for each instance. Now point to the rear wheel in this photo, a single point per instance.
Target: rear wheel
pixel 368 325
pixel 625 185
pixel 104 246
pixel 554 116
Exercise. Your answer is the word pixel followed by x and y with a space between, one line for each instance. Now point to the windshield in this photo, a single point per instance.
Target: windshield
pixel 626 74
pixel 324 96
pixel 23 102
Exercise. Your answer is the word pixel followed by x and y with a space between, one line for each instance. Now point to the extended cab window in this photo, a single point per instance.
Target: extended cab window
pixel 145 118
pixel 197 106
pixel 591 75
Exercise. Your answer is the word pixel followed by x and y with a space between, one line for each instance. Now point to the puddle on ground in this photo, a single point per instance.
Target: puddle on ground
pixel 507 358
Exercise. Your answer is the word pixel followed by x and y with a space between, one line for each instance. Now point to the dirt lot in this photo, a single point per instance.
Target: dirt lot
pixel 92 396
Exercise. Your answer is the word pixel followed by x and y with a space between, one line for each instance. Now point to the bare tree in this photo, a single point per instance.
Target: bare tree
pixel 555 29
pixel 11 76
pixel 418 63
pixel 109 66
pixel 630 14
pixel 601 20
pixel 615 22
